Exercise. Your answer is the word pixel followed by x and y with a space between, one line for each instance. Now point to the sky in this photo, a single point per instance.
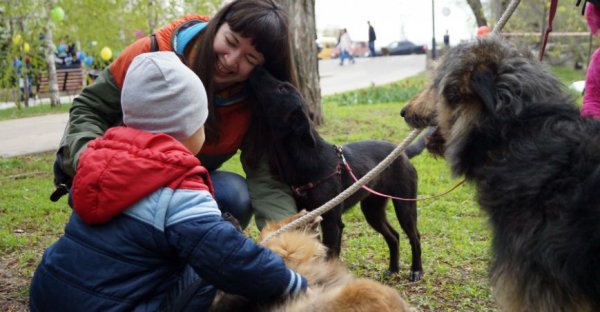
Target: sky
pixel 397 19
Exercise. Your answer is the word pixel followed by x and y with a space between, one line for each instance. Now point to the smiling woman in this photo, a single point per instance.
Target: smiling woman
pixel 236 57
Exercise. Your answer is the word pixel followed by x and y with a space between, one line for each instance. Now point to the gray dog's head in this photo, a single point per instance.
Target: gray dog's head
pixel 481 81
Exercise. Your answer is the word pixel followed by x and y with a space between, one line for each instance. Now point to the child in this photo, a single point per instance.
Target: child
pixel 145 218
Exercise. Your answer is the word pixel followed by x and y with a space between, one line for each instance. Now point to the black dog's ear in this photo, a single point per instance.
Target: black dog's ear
pixel 302 128
pixel 483 85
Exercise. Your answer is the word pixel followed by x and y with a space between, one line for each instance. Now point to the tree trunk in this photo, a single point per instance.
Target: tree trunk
pixel 304 50
pixel 478 12
pixel 499 6
pixel 152 16
pixel 49 54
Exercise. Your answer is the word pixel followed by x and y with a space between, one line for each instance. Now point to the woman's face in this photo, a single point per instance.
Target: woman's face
pixel 235 57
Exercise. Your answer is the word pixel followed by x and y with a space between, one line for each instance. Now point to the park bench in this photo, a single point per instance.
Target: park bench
pixel 70 81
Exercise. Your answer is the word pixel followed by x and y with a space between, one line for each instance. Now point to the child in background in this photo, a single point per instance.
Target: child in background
pixel 146 233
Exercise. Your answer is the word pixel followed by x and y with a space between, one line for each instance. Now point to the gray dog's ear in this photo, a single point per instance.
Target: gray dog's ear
pixel 483 84
pixel 302 128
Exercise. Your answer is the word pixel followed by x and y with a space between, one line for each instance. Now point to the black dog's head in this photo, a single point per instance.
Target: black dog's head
pixel 282 107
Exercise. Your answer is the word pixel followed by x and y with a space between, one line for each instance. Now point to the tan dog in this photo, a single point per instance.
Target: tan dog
pixel 332 286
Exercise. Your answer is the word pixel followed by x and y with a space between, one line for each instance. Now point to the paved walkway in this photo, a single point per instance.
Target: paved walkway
pixel 40 134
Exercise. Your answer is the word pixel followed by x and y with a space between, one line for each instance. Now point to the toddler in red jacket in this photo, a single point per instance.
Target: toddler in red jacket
pixel 146 233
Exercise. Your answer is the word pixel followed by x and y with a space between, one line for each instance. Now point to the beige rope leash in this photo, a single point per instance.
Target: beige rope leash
pixel 350 190
pixel 506 15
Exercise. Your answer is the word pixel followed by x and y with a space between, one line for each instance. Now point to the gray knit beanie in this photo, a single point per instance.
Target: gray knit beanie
pixel 161 94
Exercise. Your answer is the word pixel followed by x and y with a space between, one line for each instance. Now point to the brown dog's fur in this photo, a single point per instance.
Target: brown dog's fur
pixel 507 125
pixel 332 286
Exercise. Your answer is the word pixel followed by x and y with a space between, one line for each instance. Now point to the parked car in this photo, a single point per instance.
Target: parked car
pixel 358 49
pixel 403 48
pixel 325 46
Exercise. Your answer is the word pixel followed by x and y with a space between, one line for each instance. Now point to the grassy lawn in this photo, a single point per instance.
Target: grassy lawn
pixel 454 234
pixel 38 110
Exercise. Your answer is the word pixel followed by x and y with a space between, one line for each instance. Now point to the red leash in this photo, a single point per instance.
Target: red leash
pixel 370 190
pixel 551 14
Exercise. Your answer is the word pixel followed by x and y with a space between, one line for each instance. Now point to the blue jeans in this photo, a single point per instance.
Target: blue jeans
pixel 372 49
pixel 231 194
pixel 346 54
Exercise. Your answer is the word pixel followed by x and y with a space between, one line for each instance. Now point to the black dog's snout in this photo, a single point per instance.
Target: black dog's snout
pixel 403 112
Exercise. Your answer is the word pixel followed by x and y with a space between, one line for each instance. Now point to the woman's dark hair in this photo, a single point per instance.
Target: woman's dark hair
pixel 265 23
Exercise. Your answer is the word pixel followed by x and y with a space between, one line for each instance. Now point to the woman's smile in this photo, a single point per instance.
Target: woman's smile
pixel 222 70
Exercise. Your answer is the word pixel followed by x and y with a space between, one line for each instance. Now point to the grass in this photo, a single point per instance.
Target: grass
pixel 38 110
pixel 454 234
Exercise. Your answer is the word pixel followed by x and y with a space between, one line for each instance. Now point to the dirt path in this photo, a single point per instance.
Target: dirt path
pixel 12 287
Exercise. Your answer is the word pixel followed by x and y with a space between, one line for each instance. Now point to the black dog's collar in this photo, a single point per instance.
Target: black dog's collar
pixel 300 191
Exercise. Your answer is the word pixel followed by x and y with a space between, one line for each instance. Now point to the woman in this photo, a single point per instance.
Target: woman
pixel 345 45
pixel 222 52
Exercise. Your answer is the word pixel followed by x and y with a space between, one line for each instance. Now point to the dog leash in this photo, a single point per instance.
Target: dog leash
pixel 551 14
pixel 372 191
pixel 350 190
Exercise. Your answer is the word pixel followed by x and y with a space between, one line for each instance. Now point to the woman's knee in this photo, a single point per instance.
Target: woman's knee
pixel 231 194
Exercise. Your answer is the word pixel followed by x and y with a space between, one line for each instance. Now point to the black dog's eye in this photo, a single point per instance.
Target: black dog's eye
pixel 452 95
pixel 281 88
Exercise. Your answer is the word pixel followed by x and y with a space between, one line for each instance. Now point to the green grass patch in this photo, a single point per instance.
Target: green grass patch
pixel 455 236
pixel 568 75
pixel 396 92
pixel 38 110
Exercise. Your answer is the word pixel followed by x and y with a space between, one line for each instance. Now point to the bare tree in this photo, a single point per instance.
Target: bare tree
pixel 498 7
pixel 152 11
pixel 478 12
pixel 49 54
pixel 304 49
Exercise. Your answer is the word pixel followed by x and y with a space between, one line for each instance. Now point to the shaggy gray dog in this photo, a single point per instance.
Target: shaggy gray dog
pixel 508 126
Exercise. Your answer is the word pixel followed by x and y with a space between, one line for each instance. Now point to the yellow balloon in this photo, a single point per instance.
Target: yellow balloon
pixel 17 39
pixel 106 53
pixel 26 47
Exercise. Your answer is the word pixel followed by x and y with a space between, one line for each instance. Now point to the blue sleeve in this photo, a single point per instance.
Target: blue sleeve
pixel 231 261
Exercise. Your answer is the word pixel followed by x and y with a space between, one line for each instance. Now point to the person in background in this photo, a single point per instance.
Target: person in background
pixel 222 51
pixel 591 95
pixel 146 233
pixel 372 38
pixel 446 40
pixel 345 45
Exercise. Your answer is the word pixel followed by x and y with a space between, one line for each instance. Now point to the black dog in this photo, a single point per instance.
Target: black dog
pixel 508 126
pixel 315 171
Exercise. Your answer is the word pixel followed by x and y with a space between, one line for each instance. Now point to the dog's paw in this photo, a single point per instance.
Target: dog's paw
pixel 415 276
